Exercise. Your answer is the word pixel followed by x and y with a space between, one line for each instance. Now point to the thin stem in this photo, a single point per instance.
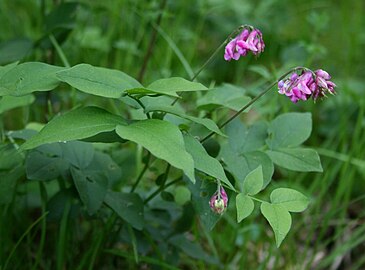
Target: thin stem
pixel 240 111
pixel 62 239
pixel 252 101
pixel 66 63
pixel 154 194
pixel 209 59
pixel 163 186
pixel 22 237
pixel 219 188
pixel 146 165
pixel 101 237
pixel 140 104
pixel 235 32
pixel 151 44
pixel 255 199
pixel 59 51
pixel 43 192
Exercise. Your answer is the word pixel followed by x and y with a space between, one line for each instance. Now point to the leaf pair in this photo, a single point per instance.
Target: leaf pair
pixel 23 79
pixel 283 201
pixel 286 133
pixel 252 185
pixel 163 139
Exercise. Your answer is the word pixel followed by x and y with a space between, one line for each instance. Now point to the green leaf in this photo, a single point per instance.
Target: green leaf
pixel 169 86
pixel 296 159
pixel 57 205
pixel 102 163
pixel 9 102
pixel 92 188
pixel 194 250
pixel 46 163
pixel 29 77
pixel 279 220
pixel 201 193
pixel 203 162
pixel 129 206
pixel 98 81
pixel 244 206
pixel 176 84
pixel 162 139
pixel 253 182
pixel 244 139
pixel 182 195
pixel 290 199
pixel 6 68
pixel 79 154
pixel 61 17
pixel 288 130
pixel 208 123
pixel 75 125
pixel 228 96
pixel 9 157
pixel 167 196
pixel 240 165
pixel 15 49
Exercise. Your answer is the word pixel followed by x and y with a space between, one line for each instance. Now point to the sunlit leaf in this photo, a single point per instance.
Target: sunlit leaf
pixel 98 81
pixel 289 129
pixel 296 159
pixel 244 206
pixel 162 139
pixel 74 125
pixel 290 199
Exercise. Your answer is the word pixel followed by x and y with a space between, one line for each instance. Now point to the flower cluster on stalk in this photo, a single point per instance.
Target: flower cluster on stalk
pixel 307 84
pixel 250 39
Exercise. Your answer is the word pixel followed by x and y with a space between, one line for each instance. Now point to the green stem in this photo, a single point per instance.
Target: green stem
pixel 151 43
pixel 142 172
pixel 160 189
pixel 96 249
pixel 240 111
pixel 255 199
pixel 43 192
pixel 140 104
pixel 228 39
pixel 65 62
pixel 22 237
pixel 252 101
pixel 59 51
pixel 235 32
pixel 61 245
pixel 134 243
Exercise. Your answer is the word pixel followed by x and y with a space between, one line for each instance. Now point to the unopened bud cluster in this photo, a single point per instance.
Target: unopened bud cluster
pixel 218 202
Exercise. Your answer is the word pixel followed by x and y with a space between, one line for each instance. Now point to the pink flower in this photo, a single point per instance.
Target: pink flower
pixel 323 84
pixel 250 39
pixel 218 202
pixel 307 84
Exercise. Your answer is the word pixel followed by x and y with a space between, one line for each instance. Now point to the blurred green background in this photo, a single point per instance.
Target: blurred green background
pixel 316 34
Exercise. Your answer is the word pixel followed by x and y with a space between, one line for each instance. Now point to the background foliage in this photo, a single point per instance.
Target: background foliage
pixel 116 34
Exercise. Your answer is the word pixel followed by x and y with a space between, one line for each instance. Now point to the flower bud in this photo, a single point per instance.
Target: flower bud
pixel 218 202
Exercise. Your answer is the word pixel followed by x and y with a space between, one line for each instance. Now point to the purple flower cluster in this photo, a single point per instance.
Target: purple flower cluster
pixel 307 84
pixel 250 39
pixel 218 202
